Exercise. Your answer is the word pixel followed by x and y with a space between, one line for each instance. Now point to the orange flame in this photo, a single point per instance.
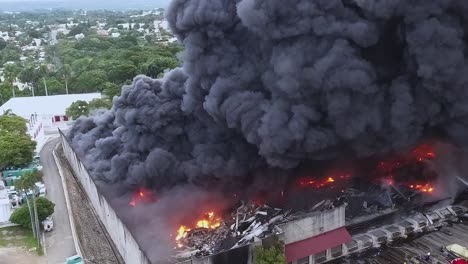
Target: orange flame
pixel 182 232
pixel 209 221
pixel 142 195
pixel 426 188
pixel 319 183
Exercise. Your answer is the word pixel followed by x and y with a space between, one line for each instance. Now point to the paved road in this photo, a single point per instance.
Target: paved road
pixel 59 242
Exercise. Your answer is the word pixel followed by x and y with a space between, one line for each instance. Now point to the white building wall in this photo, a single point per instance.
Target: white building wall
pixel 313 225
pixel 122 237
pixel 5 207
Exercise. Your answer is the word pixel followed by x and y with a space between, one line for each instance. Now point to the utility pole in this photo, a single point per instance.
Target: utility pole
pixel 36 218
pixel 30 214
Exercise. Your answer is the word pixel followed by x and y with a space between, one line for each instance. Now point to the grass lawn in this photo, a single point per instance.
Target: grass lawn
pixel 17 236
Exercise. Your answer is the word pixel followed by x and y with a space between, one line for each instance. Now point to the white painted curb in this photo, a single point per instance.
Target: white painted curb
pixel 67 201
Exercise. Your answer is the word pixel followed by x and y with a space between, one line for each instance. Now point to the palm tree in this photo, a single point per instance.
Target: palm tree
pixel 29 75
pixel 67 73
pixel 11 72
pixel 44 71
pixel 8 112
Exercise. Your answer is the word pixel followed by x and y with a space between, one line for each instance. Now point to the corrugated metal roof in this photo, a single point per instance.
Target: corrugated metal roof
pixel 458 250
pixel 44 105
pixel 314 245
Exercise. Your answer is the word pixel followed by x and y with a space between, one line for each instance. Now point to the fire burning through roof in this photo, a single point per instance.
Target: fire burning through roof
pixel 209 221
pixel 387 171
pixel 266 87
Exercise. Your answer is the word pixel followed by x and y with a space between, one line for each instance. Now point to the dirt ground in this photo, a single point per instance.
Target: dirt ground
pixel 18 246
pixel 19 256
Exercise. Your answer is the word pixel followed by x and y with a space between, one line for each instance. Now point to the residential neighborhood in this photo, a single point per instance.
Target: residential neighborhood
pixel 43 52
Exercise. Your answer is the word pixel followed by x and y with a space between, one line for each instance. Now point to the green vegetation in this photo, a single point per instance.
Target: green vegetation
pixel 17 236
pixel 97 62
pixel 104 64
pixel 28 179
pixel 270 255
pixel 82 108
pixel 21 216
pixel 16 146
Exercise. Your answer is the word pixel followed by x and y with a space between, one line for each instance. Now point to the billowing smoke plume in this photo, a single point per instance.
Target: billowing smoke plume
pixel 271 84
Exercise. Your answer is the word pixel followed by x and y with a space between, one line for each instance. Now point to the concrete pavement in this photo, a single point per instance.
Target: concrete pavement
pixel 59 242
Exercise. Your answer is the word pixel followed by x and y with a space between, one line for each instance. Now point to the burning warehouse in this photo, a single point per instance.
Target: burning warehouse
pixel 304 121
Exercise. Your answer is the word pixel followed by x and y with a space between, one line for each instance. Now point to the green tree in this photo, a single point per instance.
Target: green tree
pixel 54 86
pixel 3 44
pixel 149 38
pixel 270 255
pixel 77 109
pixel 82 65
pixel 34 34
pixel 10 53
pixel 81 28
pixel 10 123
pixel 111 89
pixel 99 103
pixel 5 92
pixel 29 75
pixel 11 73
pixel 44 71
pixel 28 180
pixel 67 74
pixel 90 81
pixel 157 65
pixel 120 71
pixel 16 150
pixel 21 216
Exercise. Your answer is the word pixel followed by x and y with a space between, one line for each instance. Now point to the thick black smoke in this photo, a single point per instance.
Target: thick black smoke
pixel 272 84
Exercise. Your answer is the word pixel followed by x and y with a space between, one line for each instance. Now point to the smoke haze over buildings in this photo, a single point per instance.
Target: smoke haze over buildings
pixel 268 85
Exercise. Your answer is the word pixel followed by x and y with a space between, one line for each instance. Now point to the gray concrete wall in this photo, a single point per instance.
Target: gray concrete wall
pixel 120 235
pixel 313 225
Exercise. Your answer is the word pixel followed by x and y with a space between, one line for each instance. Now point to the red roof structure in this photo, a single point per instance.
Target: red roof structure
pixel 314 245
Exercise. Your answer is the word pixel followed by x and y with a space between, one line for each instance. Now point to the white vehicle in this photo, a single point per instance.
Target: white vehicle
pixel 13 196
pixel 40 189
pixel 48 224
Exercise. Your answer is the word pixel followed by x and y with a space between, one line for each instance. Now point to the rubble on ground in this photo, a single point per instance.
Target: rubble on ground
pixel 247 222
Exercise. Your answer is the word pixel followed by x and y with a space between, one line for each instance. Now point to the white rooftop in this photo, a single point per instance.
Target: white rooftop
pixel 45 105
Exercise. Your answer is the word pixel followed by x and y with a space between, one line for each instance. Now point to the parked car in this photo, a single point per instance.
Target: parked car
pixel 40 189
pixel 14 199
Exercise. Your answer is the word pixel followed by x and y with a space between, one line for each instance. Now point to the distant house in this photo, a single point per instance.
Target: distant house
pixel 36 42
pixel 102 32
pixel 115 34
pixel 79 36
pixel 4 36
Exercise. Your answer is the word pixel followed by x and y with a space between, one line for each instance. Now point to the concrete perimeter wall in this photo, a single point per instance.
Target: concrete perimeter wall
pixel 121 236
pixel 313 225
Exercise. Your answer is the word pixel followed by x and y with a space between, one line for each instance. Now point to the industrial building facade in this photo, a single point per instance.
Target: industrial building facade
pixel 315 238
pixel 309 238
